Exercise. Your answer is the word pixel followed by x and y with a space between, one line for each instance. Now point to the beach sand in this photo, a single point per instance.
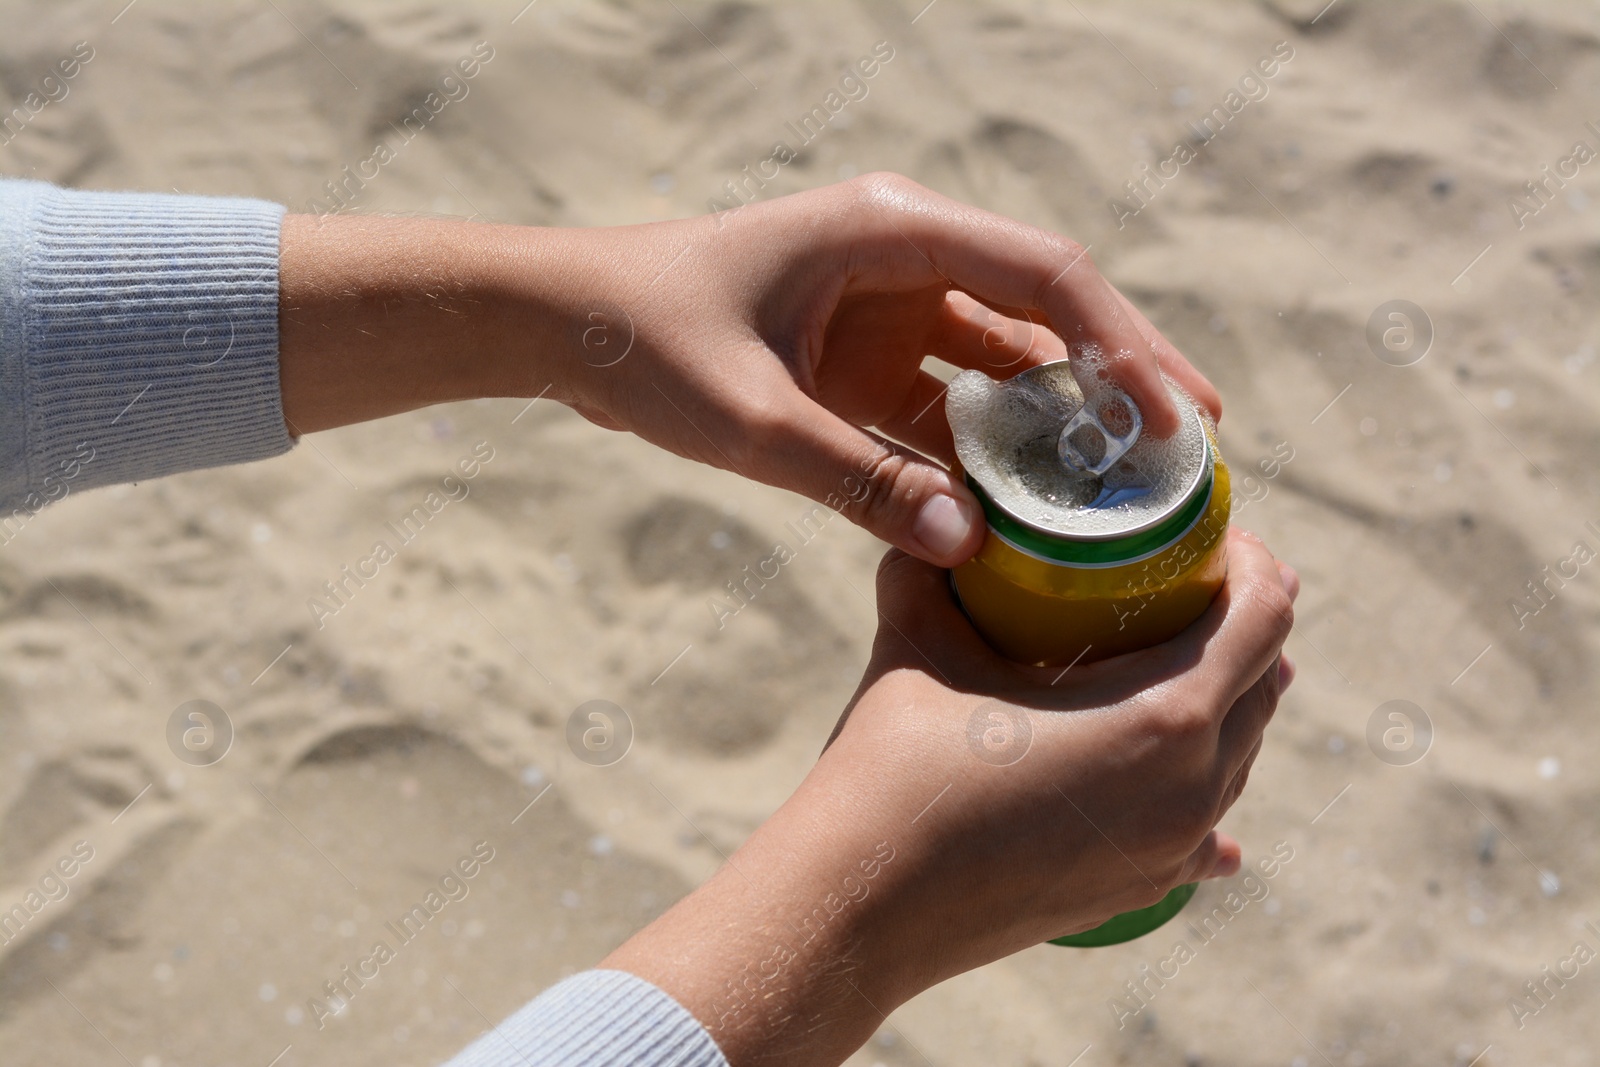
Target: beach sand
pixel 381 748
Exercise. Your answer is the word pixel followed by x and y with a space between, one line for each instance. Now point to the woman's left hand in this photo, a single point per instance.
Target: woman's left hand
pixel 767 339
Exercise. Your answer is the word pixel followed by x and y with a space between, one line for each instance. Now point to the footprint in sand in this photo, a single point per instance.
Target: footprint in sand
pixel 82 847
pixel 367 840
pixel 772 644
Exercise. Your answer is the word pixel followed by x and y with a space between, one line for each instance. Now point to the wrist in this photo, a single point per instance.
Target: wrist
pixel 783 955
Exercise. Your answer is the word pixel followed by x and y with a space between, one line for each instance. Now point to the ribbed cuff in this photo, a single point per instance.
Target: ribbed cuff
pixel 138 337
pixel 592 1019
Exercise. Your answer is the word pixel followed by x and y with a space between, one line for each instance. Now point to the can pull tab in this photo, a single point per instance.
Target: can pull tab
pixel 1083 428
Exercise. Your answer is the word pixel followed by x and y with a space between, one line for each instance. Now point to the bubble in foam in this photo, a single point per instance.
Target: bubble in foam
pixel 1006 435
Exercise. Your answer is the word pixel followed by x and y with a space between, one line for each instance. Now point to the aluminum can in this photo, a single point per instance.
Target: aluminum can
pixel 1069 572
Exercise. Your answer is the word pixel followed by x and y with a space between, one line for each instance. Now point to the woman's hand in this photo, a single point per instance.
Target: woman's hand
pixel 764 340
pixel 967 808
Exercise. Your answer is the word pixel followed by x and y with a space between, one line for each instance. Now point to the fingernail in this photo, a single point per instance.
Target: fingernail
pixel 1285 671
pixel 942 526
pixel 1226 867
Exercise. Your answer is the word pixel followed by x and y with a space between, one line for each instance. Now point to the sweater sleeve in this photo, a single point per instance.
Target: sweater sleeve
pixel 596 1019
pixel 138 337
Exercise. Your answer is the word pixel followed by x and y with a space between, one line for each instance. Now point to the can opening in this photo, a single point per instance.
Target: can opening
pixel 1072 470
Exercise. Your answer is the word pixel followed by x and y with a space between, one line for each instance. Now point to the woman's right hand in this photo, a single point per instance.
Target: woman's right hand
pixel 1016 805
pixel 1072 797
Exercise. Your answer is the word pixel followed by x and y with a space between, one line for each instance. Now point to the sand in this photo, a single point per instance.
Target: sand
pixel 380 750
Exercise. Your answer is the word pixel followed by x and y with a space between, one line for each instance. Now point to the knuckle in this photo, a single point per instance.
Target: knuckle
pixel 887 564
pixel 1179 869
pixel 875 493
pixel 889 569
pixel 885 188
pixel 1268 693
pixel 766 427
pixel 1266 595
pixel 1072 260
pixel 1185 720
pixel 1257 704
pixel 1070 250
pixel 1240 781
pixel 1147 894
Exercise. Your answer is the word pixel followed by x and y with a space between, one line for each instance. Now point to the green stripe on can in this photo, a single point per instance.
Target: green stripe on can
pixel 1120 550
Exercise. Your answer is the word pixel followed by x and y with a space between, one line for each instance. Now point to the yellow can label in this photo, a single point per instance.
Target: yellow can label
pixel 1040 610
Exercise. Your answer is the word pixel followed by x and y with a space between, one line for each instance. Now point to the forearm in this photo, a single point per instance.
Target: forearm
pixel 785 955
pixel 383 315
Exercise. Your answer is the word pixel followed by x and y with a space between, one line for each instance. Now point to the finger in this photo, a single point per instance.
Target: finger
pixel 1246 722
pixel 921 423
pixel 1200 390
pixel 1219 856
pixel 974 336
pixel 1291 579
pixel 1286 672
pixel 917 237
pixel 596 416
pixel 917 604
pixel 908 501
pixel 921 627
pixel 1217 659
pixel 1241 778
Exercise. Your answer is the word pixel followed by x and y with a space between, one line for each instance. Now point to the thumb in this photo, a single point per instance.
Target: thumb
pixel 890 491
pixel 914 599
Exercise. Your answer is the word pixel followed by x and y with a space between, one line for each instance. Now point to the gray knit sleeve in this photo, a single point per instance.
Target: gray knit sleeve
pixel 596 1019
pixel 138 337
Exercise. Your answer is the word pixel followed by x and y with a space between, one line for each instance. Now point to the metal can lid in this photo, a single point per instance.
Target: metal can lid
pixel 1009 437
